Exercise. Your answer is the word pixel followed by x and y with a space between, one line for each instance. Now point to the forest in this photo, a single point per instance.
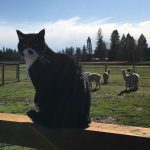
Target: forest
pixel 120 48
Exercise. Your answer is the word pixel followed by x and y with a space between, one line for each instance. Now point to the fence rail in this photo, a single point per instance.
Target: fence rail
pixel 19 130
pixel 17 70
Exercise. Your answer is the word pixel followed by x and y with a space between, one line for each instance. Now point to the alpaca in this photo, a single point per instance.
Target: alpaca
pixel 134 81
pixel 127 79
pixel 106 76
pixel 131 79
pixel 93 77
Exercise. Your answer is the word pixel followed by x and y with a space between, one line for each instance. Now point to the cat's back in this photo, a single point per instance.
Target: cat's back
pixel 65 63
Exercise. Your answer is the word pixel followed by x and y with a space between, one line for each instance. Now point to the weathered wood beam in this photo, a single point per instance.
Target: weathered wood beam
pixel 19 130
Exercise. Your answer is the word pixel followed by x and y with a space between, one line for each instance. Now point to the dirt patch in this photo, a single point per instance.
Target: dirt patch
pixel 109 120
pixel 138 109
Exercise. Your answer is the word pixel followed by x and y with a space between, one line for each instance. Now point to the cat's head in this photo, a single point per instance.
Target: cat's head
pixel 31 46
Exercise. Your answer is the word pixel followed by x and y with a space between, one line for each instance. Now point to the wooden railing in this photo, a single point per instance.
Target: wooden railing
pixel 19 130
pixel 2 65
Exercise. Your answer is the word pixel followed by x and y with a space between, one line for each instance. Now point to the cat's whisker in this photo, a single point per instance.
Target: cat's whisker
pixel 43 57
pixel 41 60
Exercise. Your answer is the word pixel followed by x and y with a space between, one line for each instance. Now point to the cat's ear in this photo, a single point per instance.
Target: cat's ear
pixel 42 33
pixel 20 35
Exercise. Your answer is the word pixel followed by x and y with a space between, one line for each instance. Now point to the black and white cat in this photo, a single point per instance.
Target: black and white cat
pixel 62 95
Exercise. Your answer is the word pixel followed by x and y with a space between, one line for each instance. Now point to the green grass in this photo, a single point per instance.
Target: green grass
pixel 8 147
pixel 110 104
pixel 10 73
pixel 127 109
pixel 111 101
pixel 16 97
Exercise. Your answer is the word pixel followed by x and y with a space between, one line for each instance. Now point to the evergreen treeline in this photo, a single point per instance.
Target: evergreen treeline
pixel 8 54
pixel 124 48
pixel 120 48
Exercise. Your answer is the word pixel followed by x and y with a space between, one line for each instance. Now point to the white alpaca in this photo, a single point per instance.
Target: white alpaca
pixel 134 81
pixel 127 79
pixel 131 79
pixel 93 77
pixel 106 76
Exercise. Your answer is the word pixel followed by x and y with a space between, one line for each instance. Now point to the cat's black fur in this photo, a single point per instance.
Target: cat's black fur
pixel 62 96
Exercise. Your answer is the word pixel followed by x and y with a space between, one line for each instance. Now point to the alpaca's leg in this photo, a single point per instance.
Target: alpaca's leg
pixel 136 84
pixel 126 86
pixel 130 85
pixel 98 82
pixel 133 85
pixel 90 83
pixel 106 80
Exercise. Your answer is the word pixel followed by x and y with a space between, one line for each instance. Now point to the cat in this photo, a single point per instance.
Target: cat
pixel 62 97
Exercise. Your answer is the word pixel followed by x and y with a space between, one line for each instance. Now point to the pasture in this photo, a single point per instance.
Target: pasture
pixel 110 104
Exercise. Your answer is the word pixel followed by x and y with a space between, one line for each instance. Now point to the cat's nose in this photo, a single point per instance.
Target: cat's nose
pixel 30 51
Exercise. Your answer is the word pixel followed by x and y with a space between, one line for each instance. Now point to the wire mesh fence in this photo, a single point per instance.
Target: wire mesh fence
pixel 17 72
pixel 12 73
pixel 116 72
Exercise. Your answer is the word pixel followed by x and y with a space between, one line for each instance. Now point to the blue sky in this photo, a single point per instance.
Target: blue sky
pixel 72 20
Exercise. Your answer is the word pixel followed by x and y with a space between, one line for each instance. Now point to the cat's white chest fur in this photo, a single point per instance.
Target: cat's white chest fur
pixel 30 56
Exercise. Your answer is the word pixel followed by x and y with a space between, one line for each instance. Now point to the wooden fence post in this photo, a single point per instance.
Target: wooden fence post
pixel 133 67
pixel 3 74
pixel 105 67
pixel 17 73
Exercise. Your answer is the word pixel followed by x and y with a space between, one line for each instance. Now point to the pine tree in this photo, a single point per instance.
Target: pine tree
pixel 89 48
pixel 130 48
pixel 115 45
pixel 84 53
pixel 69 51
pixel 122 51
pixel 100 51
pixel 78 54
pixel 142 48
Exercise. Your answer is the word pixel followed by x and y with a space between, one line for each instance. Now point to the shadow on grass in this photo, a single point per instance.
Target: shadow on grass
pixel 8 83
pixel 127 91
pixel 94 90
pixel 24 80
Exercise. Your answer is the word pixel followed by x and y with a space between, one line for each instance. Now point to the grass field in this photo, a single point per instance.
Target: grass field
pixel 110 104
